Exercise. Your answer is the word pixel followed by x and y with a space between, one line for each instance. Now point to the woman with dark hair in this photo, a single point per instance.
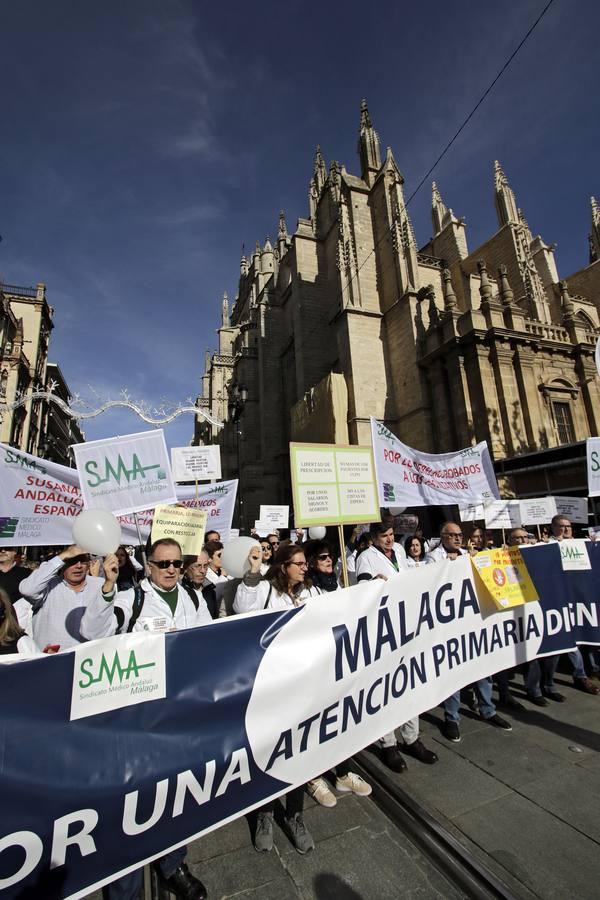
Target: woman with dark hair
pixel 215 573
pixel 12 637
pixel 320 566
pixel 267 556
pixel 415 551
pixel 285 588
pixel 127 577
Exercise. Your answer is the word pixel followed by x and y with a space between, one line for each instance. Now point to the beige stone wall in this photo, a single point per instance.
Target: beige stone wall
pixel 321 416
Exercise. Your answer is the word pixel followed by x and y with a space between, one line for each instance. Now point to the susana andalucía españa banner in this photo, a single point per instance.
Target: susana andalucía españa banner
pixel 40 499
pixel 128 747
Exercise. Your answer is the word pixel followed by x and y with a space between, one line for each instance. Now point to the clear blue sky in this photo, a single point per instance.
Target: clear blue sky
pixel 143 143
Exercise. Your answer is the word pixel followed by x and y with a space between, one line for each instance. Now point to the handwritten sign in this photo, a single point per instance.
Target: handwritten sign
pixel 182 523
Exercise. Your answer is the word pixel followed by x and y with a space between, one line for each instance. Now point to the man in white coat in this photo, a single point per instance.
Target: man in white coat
pixel 383 559
pixel 159 604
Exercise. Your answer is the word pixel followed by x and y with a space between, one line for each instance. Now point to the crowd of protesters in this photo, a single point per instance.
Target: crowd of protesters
pixel 70 598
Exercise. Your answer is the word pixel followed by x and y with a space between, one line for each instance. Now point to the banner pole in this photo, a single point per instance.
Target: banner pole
pixel 142 547
pixel 503 538
pixel 343 556
pixel 539 532
pixel 196 482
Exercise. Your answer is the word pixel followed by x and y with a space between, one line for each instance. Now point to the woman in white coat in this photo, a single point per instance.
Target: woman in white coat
pixel 286 588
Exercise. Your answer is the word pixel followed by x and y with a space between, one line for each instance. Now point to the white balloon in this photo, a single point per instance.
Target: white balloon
pixel 317 532
pixel 97 531
pixel 234 558
pixel 396 510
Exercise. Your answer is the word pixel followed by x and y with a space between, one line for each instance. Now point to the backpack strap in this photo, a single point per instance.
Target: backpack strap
pixel 138 603
pixel 192 593
pixel 268 596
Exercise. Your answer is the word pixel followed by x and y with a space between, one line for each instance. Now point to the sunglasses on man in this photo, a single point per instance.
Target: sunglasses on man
pixel 165 563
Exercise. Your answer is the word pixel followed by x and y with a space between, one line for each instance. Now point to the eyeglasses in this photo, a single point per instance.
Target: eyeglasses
pixel 165 563
pixel 301 565
pixel 324 556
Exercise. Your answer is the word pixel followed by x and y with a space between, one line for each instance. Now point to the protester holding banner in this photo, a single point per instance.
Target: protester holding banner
pixel 194 576
pixel 383 559
pixel 158 604
pixel 562 529
pixel 450 548
pixel 320 569
pixel 60 592
pixel 285 589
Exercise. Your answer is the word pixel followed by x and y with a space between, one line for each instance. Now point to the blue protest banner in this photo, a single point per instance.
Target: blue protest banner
pixel 123 749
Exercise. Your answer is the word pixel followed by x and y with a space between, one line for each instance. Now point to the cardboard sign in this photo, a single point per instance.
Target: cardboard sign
pixel 277 516
pixel 537 511
pixel 471 512
pixel 574 555
pixel 182 523
pixel 125 474
pixel 196 463
pixel 262 528
pixel 574 508
pixel 502 514
pixel 333 485
pixel 502 579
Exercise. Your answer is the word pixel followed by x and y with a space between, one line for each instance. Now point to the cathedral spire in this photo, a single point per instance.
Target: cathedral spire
pixel 595 232
pixel 506 205
pixel 225 311
pixel 320 169
pixel 368 145
pixel 485 289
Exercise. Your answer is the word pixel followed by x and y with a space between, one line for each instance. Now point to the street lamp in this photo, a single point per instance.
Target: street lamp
pixel 238 395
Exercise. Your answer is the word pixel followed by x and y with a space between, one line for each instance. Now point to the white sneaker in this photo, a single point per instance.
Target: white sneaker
pixel 319 790
pixel 353 784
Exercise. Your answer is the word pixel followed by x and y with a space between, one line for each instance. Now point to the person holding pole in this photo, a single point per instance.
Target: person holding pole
pixel 382 560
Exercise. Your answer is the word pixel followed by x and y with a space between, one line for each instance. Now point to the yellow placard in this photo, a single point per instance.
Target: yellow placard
pixel 502 579
pixel 182 523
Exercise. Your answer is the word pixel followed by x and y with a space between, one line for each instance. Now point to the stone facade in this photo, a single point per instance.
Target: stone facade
pixel 37 427
pixel 347 318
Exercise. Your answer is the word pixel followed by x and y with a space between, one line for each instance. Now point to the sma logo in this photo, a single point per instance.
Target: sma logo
pixel 119 471
pixel 108 672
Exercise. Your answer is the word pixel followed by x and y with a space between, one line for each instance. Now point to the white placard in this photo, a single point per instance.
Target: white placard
pixel 234 533
pixel 537 511
pixel 574 508
pixel 262 528
pixel 502 514
pixel 593 466
pixel 472 512
pixel 196 463
pixel 277 516
pixel 125 474
pixel 574 555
